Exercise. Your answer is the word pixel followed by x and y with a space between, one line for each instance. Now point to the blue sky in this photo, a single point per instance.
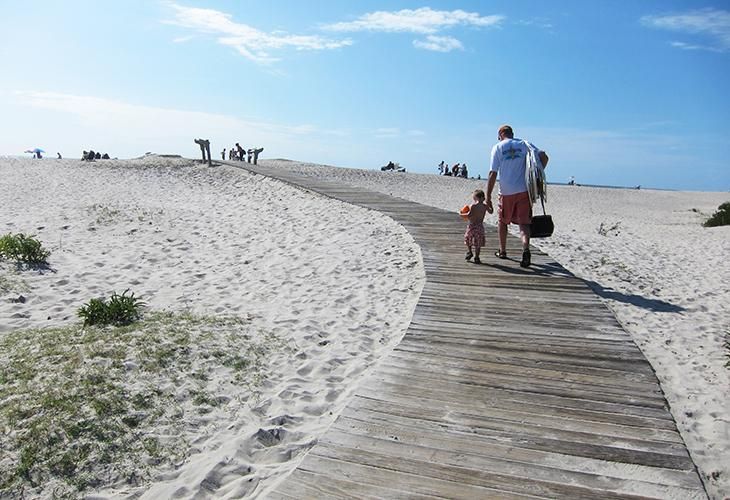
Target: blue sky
pixel 618 93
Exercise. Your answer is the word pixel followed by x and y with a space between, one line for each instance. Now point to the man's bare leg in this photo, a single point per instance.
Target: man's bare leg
pixel 526 256
pixel 525 235
pixel 503 238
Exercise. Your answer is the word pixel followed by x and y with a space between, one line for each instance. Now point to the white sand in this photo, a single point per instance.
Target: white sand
pixel 221 241
pixel 645 252
pixel 339 283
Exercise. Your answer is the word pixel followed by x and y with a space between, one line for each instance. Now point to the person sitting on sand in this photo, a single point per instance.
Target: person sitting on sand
pixel 464 171
pixel 455 170
pixel 474 235
pixel 105 156
pixel 59 156
pixel 97 156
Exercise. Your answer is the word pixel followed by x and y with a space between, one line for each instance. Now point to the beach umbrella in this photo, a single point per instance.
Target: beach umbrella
pixel 35 150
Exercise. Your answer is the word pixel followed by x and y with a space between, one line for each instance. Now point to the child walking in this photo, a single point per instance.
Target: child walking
pixel 474 235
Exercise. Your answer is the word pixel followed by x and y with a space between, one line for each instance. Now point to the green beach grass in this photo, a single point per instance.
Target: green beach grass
pixel 89 407
pixel 721 217
pixel 23 249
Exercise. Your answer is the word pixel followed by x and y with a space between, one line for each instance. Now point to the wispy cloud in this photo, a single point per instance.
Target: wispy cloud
pixel 387 133
pixel 712 25
pixel 250 42
pixel 438 43
pixel 691 46
pixel 537 22
pixel 423 21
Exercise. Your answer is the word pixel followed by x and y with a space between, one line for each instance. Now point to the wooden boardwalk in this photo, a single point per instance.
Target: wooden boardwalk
pixel 509 383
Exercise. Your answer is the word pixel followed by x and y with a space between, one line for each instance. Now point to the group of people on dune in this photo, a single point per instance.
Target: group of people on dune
pixel 456 170
pixel 91 156
pixel 240 153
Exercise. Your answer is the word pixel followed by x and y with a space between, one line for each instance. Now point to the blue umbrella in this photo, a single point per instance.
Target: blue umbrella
pixel 35 150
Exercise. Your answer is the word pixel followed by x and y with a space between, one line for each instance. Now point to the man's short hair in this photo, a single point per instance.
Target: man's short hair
pixel 506 130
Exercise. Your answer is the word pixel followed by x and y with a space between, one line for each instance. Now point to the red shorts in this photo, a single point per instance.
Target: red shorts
pixel 515 208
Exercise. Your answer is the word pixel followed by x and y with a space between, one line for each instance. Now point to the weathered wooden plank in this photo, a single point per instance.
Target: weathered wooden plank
pixel 471 388
pixel 453 481
pixel 583 422
pixel 575 443
pixel 470 370
pixel 304 484
pixel 514 465
pixel 527 358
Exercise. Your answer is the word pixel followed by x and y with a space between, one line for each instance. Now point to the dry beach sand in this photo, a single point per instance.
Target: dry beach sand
pixel 334 283
pixel 334 286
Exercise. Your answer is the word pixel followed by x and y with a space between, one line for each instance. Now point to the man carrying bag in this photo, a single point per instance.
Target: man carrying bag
pixel 515 160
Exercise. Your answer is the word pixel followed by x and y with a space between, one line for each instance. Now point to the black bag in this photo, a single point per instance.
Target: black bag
pixel 542 225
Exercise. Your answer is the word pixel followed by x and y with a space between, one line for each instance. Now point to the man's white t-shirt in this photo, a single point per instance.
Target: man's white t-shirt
pixel 509 160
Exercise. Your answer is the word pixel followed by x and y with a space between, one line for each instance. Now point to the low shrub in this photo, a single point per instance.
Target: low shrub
pixel 119 310
pixel 22 248
pixel 721 217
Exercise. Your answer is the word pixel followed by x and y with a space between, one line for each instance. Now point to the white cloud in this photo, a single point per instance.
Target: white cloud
pixel 438 43
pixel 416 133
pixel 424 21
pixel 537 22
pixel 250 42
pixel 713 24
pixel 387 133
pixel 690 46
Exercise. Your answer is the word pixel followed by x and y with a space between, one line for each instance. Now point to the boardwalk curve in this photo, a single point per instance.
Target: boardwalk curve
pixel 537 392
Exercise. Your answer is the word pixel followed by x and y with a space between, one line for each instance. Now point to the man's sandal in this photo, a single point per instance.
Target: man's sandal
pixel 500 255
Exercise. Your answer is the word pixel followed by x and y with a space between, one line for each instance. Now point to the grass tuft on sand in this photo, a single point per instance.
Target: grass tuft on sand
pixel 721 217
pixel 89 407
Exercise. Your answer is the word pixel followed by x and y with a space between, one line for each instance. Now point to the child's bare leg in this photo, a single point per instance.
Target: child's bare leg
pixel 476 254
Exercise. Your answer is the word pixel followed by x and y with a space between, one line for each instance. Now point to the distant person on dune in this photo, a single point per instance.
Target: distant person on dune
pixel 509 161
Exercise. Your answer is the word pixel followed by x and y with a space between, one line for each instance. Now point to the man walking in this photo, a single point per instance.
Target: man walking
pixel 509 161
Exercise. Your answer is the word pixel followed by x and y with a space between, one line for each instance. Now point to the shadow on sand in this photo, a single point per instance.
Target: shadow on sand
pixel 655 305
pixel 553 269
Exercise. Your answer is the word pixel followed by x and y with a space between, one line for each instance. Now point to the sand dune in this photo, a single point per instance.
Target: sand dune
pixel 337 283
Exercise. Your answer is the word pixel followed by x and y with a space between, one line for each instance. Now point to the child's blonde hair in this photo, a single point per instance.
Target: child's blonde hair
pixel 479 194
